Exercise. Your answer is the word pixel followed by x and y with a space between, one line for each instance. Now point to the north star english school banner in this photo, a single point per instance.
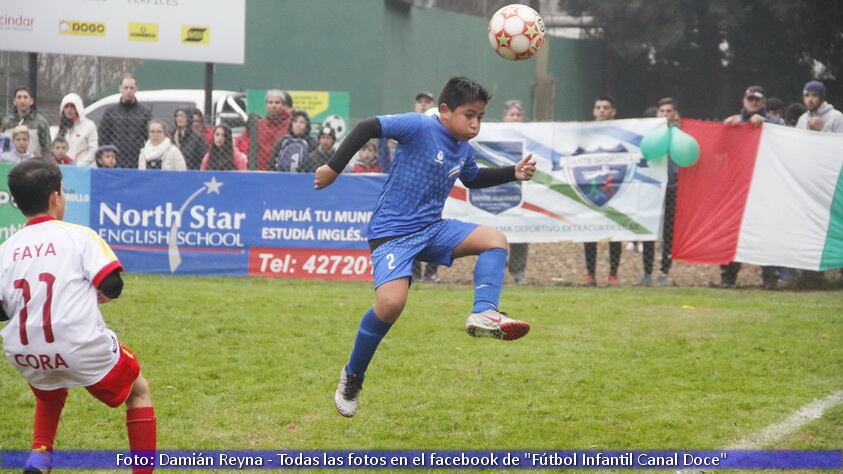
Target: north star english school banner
pixel 592 182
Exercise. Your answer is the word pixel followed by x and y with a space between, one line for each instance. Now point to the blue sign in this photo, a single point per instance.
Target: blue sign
pixel 206 222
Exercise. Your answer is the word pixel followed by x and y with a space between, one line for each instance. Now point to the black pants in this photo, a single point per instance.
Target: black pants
pixel 729 273
pixel 429 271
pixel 649 254
pixel 591 257
pixel 518 258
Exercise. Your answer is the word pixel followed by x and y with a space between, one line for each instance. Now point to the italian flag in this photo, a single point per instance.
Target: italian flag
pixel 767 196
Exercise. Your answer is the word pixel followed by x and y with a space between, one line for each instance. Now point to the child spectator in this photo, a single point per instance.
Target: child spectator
pixel 367 158
pixel 58 152
pixel 292 149
pixel 106 156
pixel 323 152
pixel 20 143
pixel 223 155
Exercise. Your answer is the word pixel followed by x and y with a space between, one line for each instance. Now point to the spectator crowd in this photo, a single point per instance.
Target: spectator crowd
pixel 284 139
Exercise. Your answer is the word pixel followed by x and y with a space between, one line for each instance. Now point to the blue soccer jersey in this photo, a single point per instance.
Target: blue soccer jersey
pixel 428 162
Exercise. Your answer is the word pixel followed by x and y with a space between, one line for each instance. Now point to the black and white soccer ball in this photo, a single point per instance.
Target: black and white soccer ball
pixel 337 123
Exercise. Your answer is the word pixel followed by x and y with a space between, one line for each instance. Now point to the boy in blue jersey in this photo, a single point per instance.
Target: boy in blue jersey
pixel 407 222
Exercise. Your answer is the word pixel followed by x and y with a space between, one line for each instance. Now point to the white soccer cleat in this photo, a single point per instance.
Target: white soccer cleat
pixel 492 323
pixel 348 391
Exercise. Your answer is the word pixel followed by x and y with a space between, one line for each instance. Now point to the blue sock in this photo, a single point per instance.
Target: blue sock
pixel 488 279
pixel 371 331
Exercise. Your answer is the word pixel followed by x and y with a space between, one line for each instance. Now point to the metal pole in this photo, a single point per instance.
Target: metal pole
pixel 209 88
pixel 544 85
pixel 33 75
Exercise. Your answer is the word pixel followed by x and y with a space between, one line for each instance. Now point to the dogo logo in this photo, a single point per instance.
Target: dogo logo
pixel 6 198
pixel 81 28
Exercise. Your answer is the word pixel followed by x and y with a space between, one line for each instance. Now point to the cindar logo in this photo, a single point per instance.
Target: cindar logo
pixel 192 34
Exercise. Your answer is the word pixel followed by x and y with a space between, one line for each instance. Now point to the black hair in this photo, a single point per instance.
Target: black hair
pixel 792 113
pixel 774 103
pixel 22 88
pixel 300 113
pixel 607 98
pixel 31 183
pixel 668 101
pixel 461 90
pixel 222 158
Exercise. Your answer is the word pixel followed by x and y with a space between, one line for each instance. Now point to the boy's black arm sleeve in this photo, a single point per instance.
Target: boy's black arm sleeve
pixel 359 135
pixel 112 285
pixel 3 315
pixel 487 177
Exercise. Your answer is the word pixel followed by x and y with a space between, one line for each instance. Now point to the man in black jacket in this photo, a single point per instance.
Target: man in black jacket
pixel 124 124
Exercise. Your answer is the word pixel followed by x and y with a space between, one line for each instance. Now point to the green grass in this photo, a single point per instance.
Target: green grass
pixel 243 363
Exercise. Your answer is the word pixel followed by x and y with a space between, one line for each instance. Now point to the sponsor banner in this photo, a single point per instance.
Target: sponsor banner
pixel 180 30
pixel 592 182
pixel 332 106
pixel 197 222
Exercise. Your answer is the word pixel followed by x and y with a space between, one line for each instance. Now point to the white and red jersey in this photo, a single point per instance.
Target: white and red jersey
pixel 49 274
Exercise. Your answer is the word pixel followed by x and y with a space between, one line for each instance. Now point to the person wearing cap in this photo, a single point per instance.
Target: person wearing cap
pixel 754 111
pixel 323 152
pixel 106 156
pixel 820 116
pixel 424 101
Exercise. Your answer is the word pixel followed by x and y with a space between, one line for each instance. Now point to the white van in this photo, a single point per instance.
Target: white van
pixel 229 107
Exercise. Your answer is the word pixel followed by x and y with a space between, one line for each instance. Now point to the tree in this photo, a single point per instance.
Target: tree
pixel 705 53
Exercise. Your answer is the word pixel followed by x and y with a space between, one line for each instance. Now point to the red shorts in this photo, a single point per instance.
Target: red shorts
pixel 113 389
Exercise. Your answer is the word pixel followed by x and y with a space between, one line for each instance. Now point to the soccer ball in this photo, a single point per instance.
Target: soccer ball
pixel 337 123
pixel 516 32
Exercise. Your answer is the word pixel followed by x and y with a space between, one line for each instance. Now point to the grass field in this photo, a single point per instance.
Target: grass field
pixel 242 363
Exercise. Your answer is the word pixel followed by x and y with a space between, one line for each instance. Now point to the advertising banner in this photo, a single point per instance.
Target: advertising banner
pixel 183 30
pixel 592 182
pixel 227 223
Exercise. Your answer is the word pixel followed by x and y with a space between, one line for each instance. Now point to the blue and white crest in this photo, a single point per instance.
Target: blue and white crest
pixel 497 199
pixel 600 175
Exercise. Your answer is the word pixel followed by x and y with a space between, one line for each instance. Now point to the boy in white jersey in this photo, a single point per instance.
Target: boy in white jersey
pixel 52 276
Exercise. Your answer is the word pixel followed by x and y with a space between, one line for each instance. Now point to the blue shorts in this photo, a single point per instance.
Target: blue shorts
pixel 434 244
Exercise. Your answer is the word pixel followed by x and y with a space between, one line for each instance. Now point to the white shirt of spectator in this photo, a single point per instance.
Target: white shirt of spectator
pixel 65 342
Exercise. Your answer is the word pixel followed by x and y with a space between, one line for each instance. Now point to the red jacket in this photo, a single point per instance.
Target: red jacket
pixel 269 132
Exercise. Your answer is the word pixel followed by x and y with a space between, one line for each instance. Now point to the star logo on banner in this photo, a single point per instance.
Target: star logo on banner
pixel 213 185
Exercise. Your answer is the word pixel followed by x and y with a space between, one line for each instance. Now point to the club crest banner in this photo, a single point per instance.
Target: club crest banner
pixel 592 182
